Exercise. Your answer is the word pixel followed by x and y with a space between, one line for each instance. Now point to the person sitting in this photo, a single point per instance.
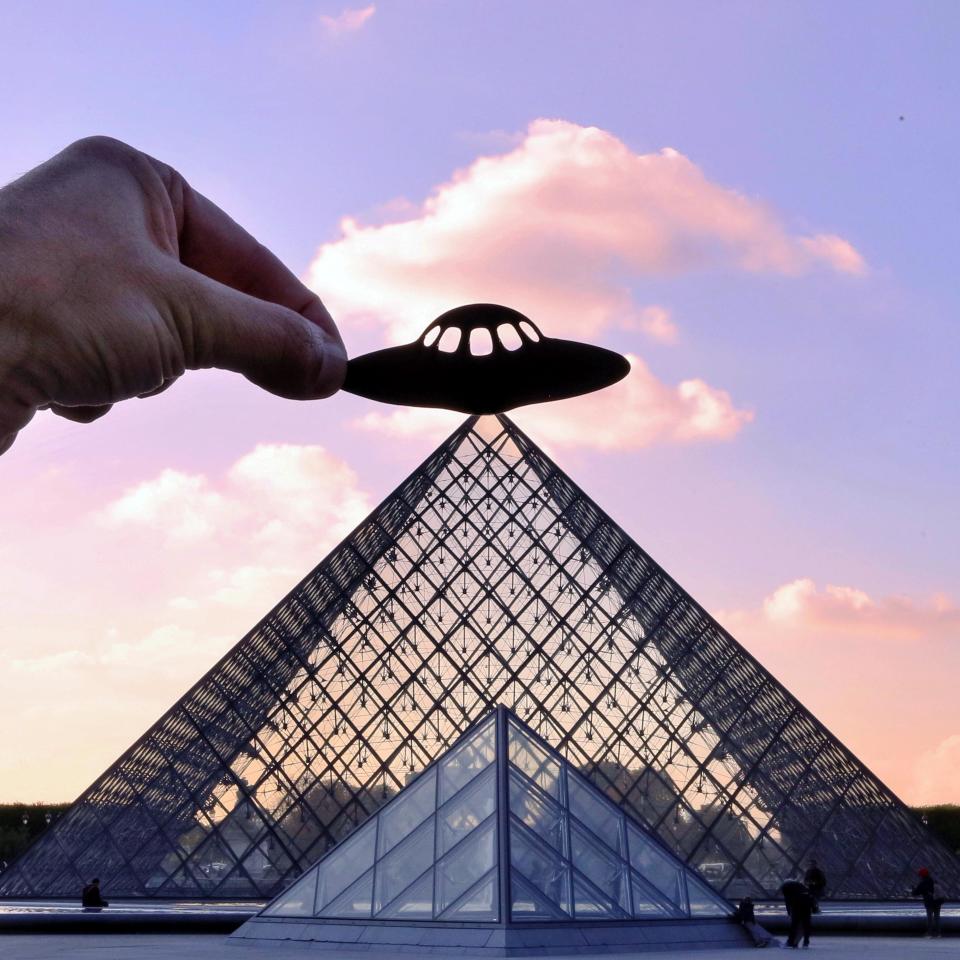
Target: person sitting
pixel 745 916
pixel 91 898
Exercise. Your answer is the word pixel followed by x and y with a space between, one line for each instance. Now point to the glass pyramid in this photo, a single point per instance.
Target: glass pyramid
pixel 500 828
pixel 486 577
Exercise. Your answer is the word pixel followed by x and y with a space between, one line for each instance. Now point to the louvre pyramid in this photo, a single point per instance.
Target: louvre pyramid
pixel 486 577
pixel 500 830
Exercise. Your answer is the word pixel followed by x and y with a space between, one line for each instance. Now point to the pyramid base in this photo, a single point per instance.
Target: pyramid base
pixel 491 940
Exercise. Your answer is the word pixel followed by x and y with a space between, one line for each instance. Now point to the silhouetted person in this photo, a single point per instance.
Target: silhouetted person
pixel 799 904
pixel 745 916
pixel 816 881
pixel 926 888
pixel 91 897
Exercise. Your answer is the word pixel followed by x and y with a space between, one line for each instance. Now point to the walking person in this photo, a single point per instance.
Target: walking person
pixel 816 881
pixel 926 888
pixel 799 903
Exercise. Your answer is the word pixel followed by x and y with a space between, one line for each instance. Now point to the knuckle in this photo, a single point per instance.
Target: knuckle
pixel 101 147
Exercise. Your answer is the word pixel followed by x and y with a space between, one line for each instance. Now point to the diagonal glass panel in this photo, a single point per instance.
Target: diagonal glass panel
pixel 704 902
pixel 399 868
pixel 647 904
pixel 354 901
pixel 535 763
pixel 298 901
pixel 460 766
pixel 407 811
pixel 528 903
pixel 657 868
pixel 589 903
pixel 478 904
pixel 345 863
pixel 540 814
pixel 542 867
pixel 601 817
pixel 465 864
pixel 607 872
pixel 414 903
pixel 466 811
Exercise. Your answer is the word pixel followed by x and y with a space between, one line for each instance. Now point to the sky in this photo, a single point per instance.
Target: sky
pixel 757 202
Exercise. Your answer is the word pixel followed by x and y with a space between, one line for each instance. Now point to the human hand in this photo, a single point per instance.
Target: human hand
pixel 116 277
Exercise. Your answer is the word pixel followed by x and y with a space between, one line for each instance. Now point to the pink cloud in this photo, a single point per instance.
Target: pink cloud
pixel 152 587
pixel 801 605
pixel 634 413
pixel 273 493
pixel 879 671
pixel 347 21
pixel 554 227
pixel 655 322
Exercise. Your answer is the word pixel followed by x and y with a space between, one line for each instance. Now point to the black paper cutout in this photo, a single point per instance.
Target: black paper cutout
pixel 420 374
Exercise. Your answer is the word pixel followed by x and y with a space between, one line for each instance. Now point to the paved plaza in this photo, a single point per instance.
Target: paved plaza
pixel 216 947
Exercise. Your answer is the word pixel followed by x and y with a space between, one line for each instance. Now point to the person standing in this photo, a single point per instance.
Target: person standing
pixel 799 904
pixel 927 888
pixel 816 881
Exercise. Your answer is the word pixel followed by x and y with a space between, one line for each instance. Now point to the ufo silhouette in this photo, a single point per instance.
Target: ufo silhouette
pixel 483 358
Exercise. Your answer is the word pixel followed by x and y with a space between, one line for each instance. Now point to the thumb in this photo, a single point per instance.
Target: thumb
pixel 274 347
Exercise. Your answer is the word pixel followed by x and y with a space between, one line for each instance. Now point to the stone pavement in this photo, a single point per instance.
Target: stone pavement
pixel 216 947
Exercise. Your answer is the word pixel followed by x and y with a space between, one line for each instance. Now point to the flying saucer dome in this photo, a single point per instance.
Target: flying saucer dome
pixel 483 358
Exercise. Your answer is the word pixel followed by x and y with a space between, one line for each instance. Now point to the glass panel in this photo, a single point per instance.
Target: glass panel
pixel 346 862
pixel 480 904
pixel 656 867
pixel 465 864
pixel 590 904
pixel 399 868
pixel 529 904
pixel 600 866
pixel 467 810
pixel 601 817
pixel 533 761
pixel 542 867
pixel 466 761
pixel 647 904
pixel 354 901
pixel 407 811
pixel 545 818
pixel 704 902
pixel 297 901
pixel 414 903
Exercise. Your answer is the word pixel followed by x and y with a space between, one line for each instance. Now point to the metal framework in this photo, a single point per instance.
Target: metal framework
pixel 501 833
pixel 487 577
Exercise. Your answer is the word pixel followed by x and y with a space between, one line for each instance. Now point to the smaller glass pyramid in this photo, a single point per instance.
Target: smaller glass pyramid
pixel 501 829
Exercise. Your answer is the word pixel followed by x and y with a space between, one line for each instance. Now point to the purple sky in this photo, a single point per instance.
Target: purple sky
pixel 766 215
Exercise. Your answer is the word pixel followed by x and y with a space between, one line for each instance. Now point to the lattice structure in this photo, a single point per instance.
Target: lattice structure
pixel 499 837
pixel 487 577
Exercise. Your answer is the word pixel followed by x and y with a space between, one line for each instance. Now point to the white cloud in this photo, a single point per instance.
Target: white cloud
pixel 278 495
pixel 183 507
pixel 349 20
pixel 556 227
